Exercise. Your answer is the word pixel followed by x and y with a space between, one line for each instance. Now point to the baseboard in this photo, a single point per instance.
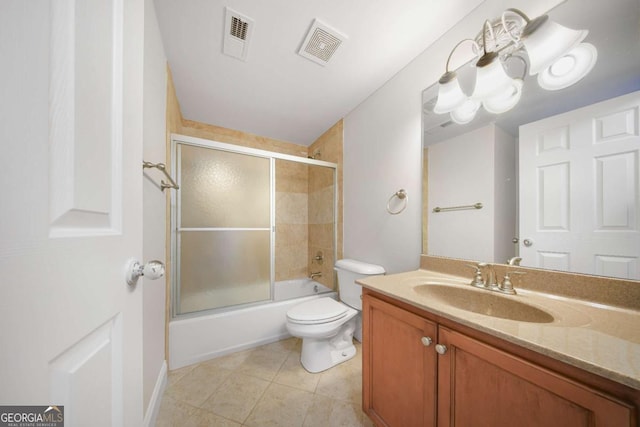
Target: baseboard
pixel 151 415
pixel 177 363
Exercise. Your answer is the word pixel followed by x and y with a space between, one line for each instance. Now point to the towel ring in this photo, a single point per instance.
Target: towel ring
pixel 402 195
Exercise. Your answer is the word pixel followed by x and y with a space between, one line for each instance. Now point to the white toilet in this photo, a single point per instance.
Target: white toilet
pixel 327 326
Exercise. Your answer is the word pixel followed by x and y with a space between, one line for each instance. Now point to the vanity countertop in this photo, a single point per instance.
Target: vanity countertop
pixel 601 339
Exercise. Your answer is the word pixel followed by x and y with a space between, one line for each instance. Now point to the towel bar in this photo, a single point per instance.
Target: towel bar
pixel 458 208
pixel 163 169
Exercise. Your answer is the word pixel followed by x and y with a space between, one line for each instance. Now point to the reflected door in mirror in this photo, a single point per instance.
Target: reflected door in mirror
pixel 579 190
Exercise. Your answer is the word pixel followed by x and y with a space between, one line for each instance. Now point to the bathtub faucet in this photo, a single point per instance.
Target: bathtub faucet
pixel 314 275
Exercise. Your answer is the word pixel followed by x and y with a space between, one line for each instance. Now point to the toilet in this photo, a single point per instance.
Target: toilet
pixel 327 326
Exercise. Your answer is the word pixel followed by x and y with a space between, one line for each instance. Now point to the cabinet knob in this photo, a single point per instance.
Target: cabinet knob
pixel 441 349
pixel 426 341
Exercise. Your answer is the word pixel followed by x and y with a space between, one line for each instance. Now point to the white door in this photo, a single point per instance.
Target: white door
pixel 579 190
pixel 70 217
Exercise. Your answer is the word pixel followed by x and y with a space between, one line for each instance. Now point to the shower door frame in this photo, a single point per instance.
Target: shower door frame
pixel 174 294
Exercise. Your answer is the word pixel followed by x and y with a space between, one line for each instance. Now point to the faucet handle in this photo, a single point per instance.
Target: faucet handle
pixel 506 287
pixel 477 281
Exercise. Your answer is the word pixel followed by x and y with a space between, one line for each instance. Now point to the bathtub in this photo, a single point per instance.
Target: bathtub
pixel 202 337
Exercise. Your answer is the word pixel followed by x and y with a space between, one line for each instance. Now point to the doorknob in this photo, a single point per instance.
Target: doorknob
pixel 153 270
pixel 426 341
pixel 441 348
pixel 528 242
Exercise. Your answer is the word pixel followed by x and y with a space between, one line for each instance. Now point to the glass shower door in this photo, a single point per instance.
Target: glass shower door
pixel 223 228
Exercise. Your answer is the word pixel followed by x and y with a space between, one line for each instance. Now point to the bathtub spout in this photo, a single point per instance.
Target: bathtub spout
pixel 314 275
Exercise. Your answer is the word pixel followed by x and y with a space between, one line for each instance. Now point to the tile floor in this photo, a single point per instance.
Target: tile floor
pixel 264 386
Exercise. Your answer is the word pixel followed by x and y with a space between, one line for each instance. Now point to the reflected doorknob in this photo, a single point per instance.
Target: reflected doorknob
pixel 152 270
pixel 527 242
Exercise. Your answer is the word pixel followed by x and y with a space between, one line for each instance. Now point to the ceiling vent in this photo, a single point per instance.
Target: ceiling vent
pixel 321 43
pixel 237 33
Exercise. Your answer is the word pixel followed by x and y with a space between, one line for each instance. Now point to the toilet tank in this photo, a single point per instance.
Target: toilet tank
pixel 348 271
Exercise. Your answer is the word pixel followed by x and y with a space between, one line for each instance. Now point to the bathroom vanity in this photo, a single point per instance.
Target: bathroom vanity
pixel 437 351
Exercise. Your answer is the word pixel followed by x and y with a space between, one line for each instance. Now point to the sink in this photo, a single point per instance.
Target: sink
pixel 484 302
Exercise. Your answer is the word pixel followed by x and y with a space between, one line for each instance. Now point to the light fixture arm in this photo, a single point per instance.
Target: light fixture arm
pixel 521 14
pixel 456 47
pixel 487 25
pixel 518 12
pixel 448 75
pixel 487 57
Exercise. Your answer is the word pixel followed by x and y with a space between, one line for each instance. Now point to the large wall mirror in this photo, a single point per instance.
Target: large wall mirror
pixel 556 179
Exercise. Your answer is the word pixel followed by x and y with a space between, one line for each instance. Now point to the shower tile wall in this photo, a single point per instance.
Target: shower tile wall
pixel 292 233
pixel 327 147
pixel 321 222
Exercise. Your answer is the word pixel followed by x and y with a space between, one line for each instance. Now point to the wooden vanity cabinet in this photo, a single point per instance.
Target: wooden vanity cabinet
pixel 407 383
pixel 399 376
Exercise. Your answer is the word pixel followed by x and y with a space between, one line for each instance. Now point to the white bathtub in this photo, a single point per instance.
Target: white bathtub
pixel 199 338
pixel 297 288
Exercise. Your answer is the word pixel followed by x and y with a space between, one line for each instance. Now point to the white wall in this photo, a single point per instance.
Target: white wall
pixel 154 207
pixel 382 150
pixel 506 190
pixel 461 172
pixel 476 167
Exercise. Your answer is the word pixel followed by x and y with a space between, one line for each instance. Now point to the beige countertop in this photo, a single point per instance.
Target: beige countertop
pixel 601 339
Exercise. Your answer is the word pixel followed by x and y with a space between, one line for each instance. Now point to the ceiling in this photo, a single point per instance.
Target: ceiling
pixel 277 93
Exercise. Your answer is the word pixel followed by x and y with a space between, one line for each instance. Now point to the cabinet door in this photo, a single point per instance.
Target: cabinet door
pixel 479 385
pixel 399 368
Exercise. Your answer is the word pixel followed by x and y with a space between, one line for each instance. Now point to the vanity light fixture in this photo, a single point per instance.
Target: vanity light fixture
pixel 555 53
pixel 466 112
pixel 497 91
pixel 450 95
pixel 570 68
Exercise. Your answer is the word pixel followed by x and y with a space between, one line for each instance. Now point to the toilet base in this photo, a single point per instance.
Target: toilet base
pixel 321 354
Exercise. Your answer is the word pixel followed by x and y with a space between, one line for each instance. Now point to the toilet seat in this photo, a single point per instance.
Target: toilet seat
pixel 317 311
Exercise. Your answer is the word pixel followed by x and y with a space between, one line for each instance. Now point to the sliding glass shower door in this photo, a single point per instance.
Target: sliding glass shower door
pixel 223 228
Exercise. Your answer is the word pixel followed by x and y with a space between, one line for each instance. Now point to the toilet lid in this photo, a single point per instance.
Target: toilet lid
pixel 320 309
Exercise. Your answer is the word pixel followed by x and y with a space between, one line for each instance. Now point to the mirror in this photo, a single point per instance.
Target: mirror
pixel 478 162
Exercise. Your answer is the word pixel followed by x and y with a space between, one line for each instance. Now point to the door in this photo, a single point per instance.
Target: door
pixel 399 366
pixel 579 190
pixel 480 385
pixel 223 234
pixel 71 214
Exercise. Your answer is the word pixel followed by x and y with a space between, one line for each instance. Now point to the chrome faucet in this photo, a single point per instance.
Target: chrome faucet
pixel 514 261
pixel 314 275
pixel 479 281
pixel 491 282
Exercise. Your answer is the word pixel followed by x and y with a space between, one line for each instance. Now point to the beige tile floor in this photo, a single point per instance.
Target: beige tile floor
pixel 264 386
